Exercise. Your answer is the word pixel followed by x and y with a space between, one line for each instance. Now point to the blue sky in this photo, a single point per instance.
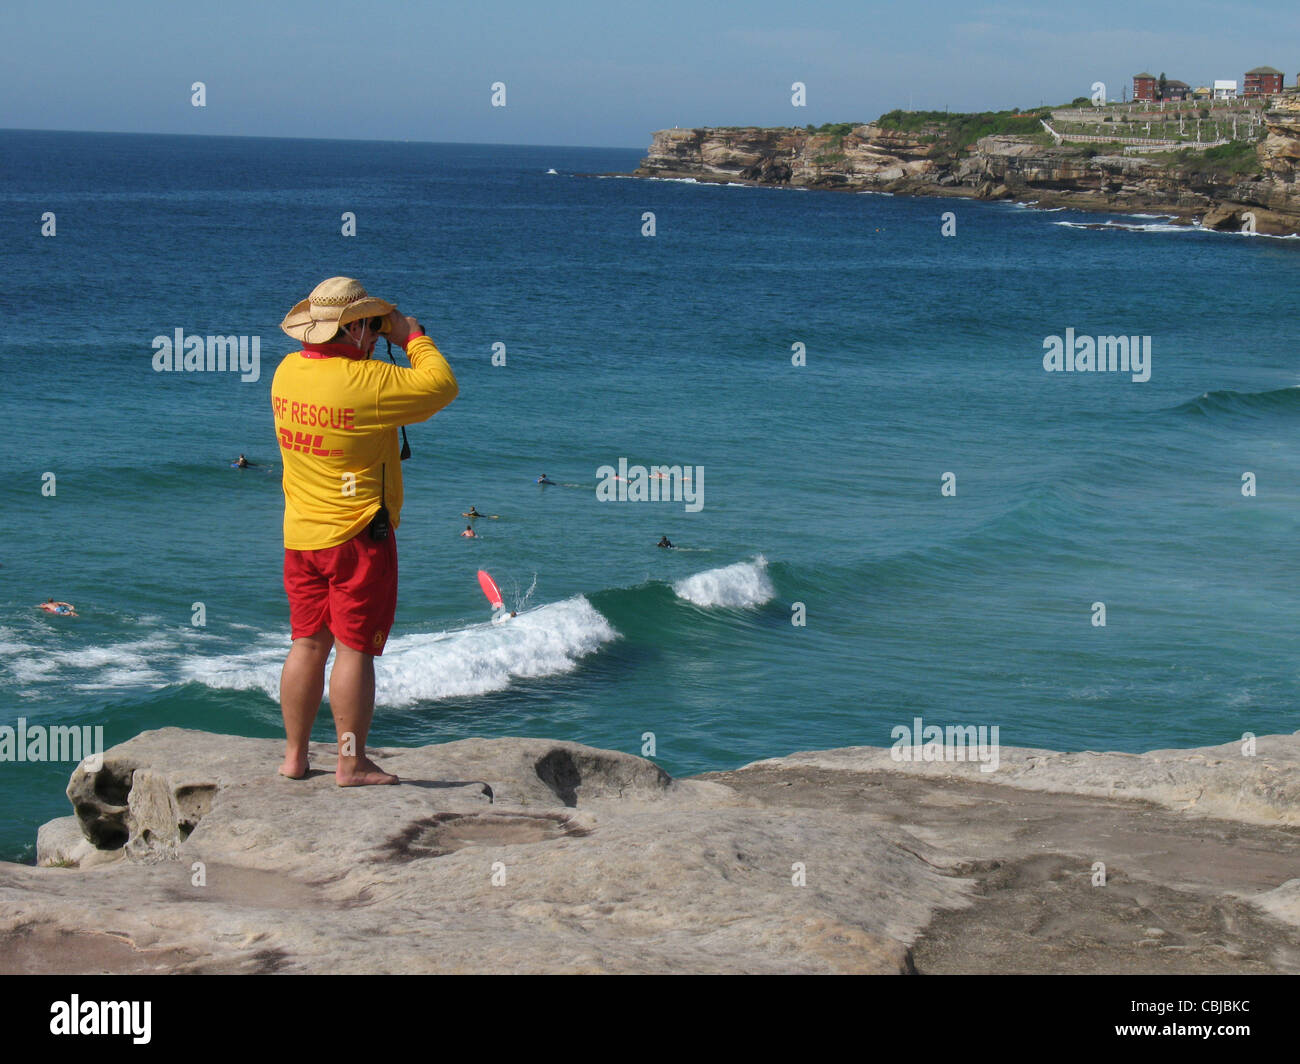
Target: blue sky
pixel 588 73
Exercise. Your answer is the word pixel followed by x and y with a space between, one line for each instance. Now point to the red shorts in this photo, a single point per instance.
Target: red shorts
pixel 350 589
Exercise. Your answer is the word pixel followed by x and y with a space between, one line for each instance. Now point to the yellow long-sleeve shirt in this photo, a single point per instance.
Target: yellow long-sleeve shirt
pixel 336 419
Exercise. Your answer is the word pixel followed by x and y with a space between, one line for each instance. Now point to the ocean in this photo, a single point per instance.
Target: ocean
pixel 901 512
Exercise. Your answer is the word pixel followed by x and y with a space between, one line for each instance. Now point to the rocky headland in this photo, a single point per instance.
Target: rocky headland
pixel 873 158
pixel 186 853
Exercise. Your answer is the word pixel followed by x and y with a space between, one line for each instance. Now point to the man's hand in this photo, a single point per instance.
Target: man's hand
pixel 400 328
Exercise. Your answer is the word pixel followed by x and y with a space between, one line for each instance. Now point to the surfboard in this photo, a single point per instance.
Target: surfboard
pixel 490 589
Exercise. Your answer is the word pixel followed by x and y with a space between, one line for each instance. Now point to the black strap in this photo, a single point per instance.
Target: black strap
pixel 406 446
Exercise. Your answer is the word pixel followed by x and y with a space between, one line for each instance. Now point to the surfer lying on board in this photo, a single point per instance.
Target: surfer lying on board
pixel 663 542
pixel 543 480
pixel 59 609
pixel 471 512
pixel 243 463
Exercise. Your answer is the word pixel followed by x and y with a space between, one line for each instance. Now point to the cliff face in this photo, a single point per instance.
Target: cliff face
pixel 1279 153
pixel 865 157
pixel 869 158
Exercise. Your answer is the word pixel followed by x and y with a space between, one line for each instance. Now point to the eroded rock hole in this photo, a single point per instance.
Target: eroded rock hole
pixel 560 773
pixel 112 784
pixel 444 833
pixel 193 801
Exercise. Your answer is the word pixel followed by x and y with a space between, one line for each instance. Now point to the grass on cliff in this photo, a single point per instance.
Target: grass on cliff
pixel 833 129
pixel 954 132
pixel 949 134
pixel 1227 161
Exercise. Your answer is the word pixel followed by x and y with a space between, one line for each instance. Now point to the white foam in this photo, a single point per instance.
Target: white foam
pixel 124 677
pixel 424 667
pixel 638 177
pixel 739 586
pixel 1166 227
pixel 547 641
pixel 255 669
pixel 146 662
pixel 1148 227
pixel 31 670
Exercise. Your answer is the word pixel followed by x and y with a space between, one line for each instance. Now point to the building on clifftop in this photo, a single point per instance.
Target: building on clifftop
pixel 1263 81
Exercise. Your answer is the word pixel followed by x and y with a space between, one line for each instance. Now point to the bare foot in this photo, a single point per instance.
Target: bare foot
pixel 364 773
pixel 294 768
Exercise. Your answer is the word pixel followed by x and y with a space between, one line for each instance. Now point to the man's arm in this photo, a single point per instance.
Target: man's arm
pixel 406 396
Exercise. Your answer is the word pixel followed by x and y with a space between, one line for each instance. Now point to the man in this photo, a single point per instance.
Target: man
pixel 337 414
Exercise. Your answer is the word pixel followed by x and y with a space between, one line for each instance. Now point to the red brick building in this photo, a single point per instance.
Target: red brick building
pixel 1263 81
pixel 1144 86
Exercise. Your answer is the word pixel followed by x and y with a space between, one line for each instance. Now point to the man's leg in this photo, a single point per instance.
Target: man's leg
pixel 352 701
pixel 302 683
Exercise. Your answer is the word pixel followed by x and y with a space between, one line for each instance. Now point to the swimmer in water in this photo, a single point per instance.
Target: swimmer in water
pixel 469 533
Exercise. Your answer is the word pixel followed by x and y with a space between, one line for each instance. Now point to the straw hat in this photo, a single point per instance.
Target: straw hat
pixel 332 303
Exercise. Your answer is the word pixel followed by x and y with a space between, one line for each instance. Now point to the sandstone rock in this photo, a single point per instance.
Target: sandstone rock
pixel 61 843
pixel 1226 216
pixel 1279 152
pixel 1232 217
pixel 1283 902
pixel 1216 781
pixel 530 855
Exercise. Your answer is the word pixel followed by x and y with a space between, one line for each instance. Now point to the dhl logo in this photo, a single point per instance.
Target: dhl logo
pixel 307 443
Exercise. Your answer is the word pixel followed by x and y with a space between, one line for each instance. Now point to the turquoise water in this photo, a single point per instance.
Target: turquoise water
pixel 821 482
